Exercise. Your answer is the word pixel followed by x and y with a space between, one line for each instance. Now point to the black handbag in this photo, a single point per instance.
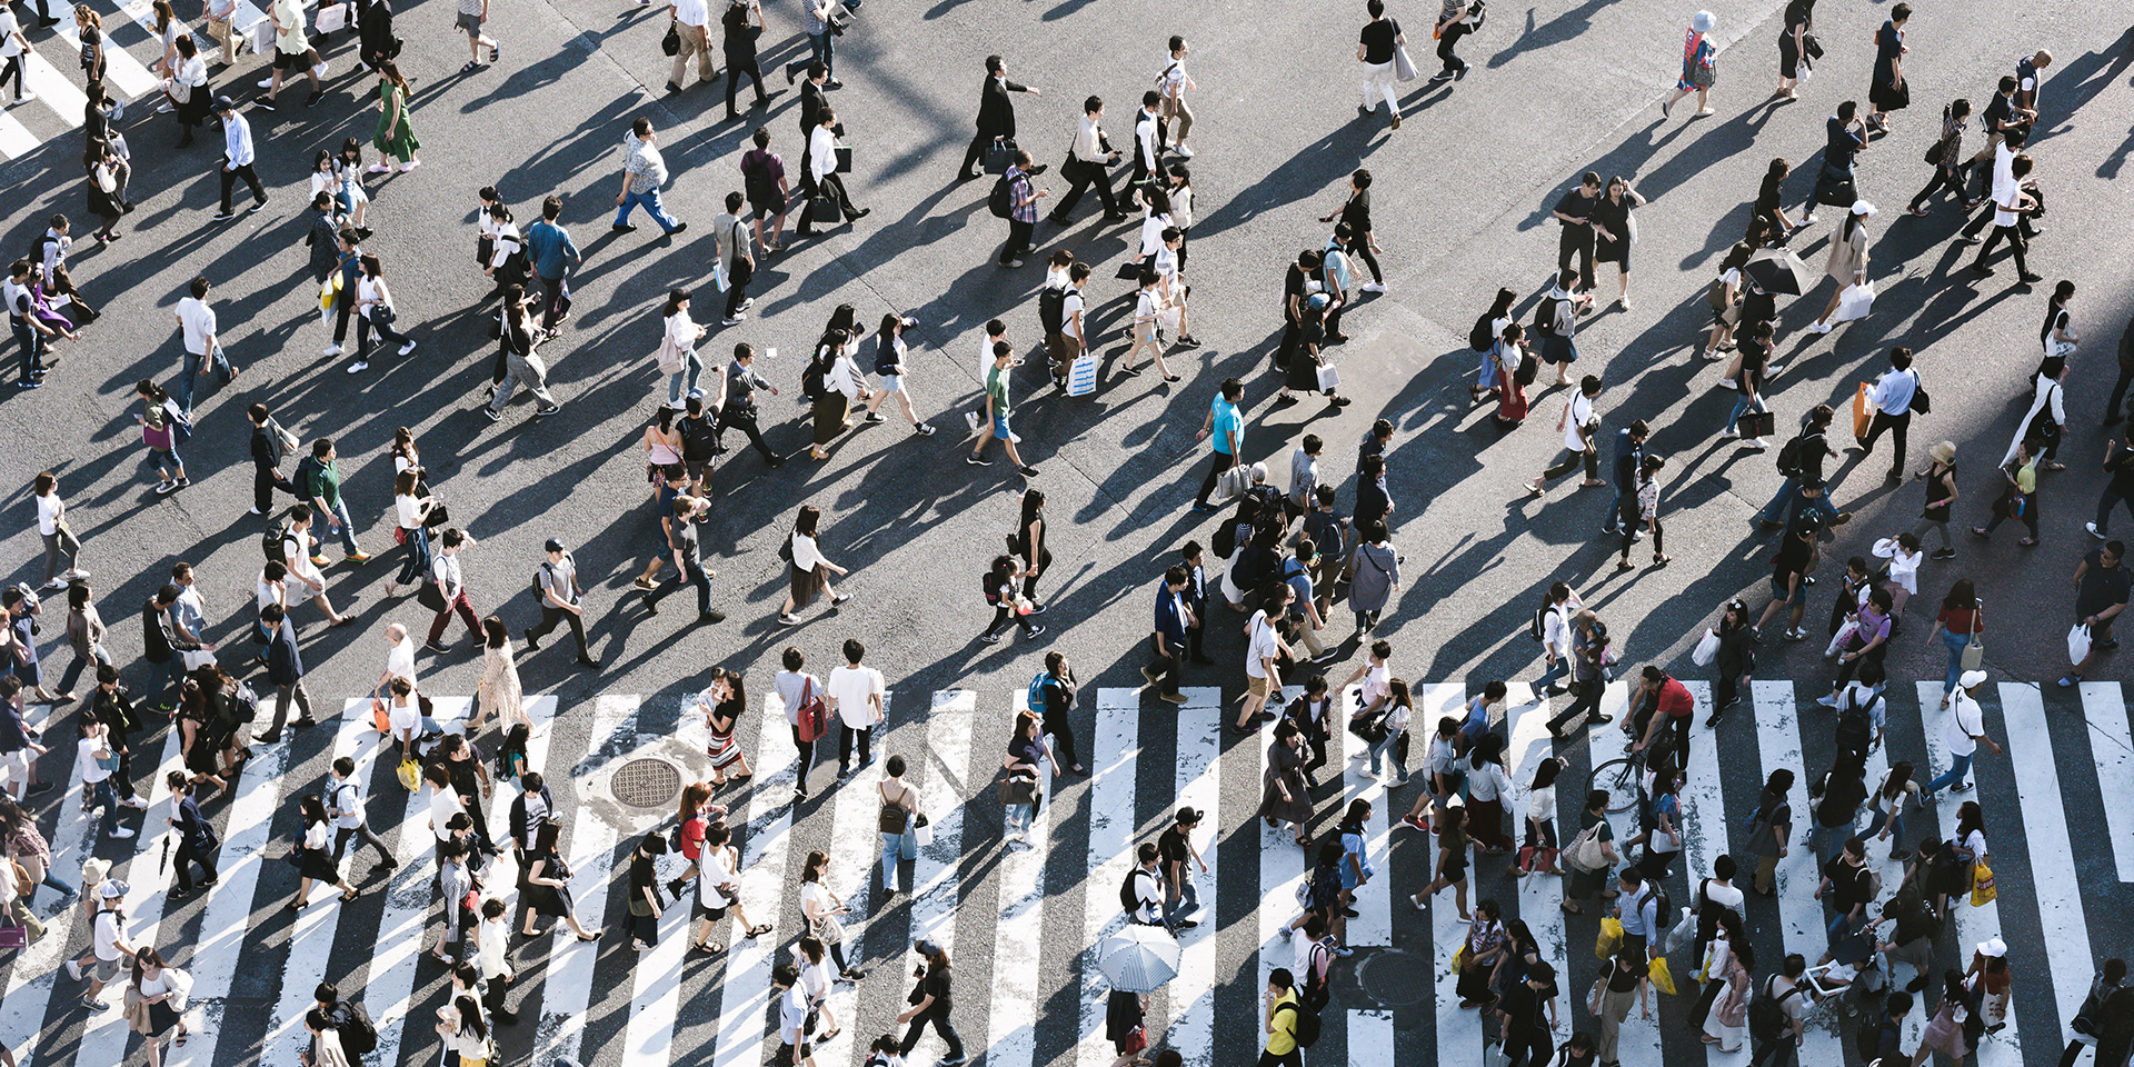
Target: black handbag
pixel 1757 424
pixel 998 155
pixel 672 43
pixel 1812 47
pixel 844 159
pixel 825 209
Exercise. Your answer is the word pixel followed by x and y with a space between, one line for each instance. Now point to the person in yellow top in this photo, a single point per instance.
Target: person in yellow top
pixel 2019 500
pixel 1281 1022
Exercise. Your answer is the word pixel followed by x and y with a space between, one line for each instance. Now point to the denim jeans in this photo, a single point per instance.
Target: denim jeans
pixel 161 678
pixel 1882 817
pixel 649 200
pixel 32 345
pixel 348 527
pixel 892 850
pixel 1955 775
pixel 1560 669
pixel 1827 841
pixel 109 800
pixel 190 369
pixel 74 670
pixel 1378 750
pixel 416 565
pixel 683 382
pixel 1955 643
pixel 1788 501
pixel 1741 406
pixel 1188 902
pixel 1017 819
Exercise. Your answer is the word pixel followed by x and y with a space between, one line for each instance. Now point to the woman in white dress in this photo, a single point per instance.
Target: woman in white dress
pixel 500 694
pixel 1724 962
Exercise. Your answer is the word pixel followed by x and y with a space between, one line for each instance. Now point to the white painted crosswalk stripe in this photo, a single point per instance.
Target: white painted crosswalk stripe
pixel 1973 925
pixel 1005 1019
pixel 2112 751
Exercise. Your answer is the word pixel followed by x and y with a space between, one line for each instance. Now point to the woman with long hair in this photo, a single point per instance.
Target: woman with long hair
pixel 375 311
pixel 809 569
pixel 930 1002
pixel 1029 759
pixel 1488 784
pixel 158 419
pixel 186 88
pixel 1541 840
pixel 1897 790
pixel 161 991
pixel 465 1033
pixel 1615 230
pixel 1736 659
pixel 889 352
pixel 1029 541
pixel 522 365
pixel 1489 328
pixel 1940 484
pixel 821 908
pixel 1961 619
pixel 678 357
pixel 395 137
pixel 722 703
pixel 842 385
pixel 546 884
pixel 412 513
pixel 500 693
pixel 1847 264
pixel 662 444
pixel 101 161
pixel 1000 591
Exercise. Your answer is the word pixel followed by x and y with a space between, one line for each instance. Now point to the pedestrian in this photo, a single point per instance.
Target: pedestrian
pixel 2019 495
pixel 931 1003
pixel 1847 264
pixel 1170 637
pixel 554 255
pixel 412 510
pixel 1579 426
pixel 821 31
pixel 316 863
pixel 344 798
pixel 894 374
pixel 491 936
pixel 30 329
pixel 445 592
pixel 810 570
pixel 395 137
pixel 203 347
pixel 1959 622
pixel 1735 658
pixel 1887 90
pixel 738 411
pixel 996 118
pixel 374 30
pixel 545 883
pixel 734 266
pixel 1615 229
pixel 763 179
pixel 1577 236
pixel 2011 208
pixel 1284 794
pixel 320 477
pixel 690 22
pixel 998 410
pixel 823 182
pixel 677 352
pixel 1947 157
pixel 2119 483
pixel 839 383
pixel 237 157
pixel 471 17
pixel 562 601
pixel 2101 587
pixel 643 172
pixel 375 311
pixel 293 53
pixel 1028 762
pixel 1966 730
pixel 1149 171
pixel 1375 49
pixel 2087 1024
pixel 59 539
pixel 1090 156
pixel 1022 208
pixel 522 364
pixel 85 636
pixel 738 42
pixel 1363 243
pixel 1795 59
pixel 285 668
pixel 1800 460
pixel 161 421
pixel 1699 66
pixel 197 839
pixel 1946 1026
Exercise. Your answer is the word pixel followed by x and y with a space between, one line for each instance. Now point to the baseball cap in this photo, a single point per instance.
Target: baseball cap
pixel 554 545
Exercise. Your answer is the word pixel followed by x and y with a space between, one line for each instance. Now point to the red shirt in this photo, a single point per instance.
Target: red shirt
pixel 1674 699
pixel 693 837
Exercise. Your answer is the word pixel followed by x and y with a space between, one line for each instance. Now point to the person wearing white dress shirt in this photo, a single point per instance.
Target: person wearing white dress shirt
pixel 823 181
pixel 237 158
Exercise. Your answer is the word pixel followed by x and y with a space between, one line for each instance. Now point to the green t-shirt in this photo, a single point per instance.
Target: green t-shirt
pixel 996 387
pixel 326 482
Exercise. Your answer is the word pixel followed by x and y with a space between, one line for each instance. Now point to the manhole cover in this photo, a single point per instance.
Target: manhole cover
pixel 1395 978
pixel 646 783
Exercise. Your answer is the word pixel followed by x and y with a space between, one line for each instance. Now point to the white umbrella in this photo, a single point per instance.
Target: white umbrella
pixel 1139 958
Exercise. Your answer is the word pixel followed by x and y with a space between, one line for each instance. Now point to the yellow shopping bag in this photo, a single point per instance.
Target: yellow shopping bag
pixel 1611 938
pixel 1982 891
pixel 1662 979
pixel 330 291
pixel 410 774
pixel 1459 960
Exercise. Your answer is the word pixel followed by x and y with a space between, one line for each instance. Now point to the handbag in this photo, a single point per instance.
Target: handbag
pixel 828 930
pixel 381 717
pixel 1982 891
pixel 1707 649
pixel 1974 652
pixel 844 158
pixel 998 155
pixel 1586 853
pixel 432 595
pixel 1137 1040
pixel 1017 790
pixel 813 717
pixel 671 44
pixel 14 938
pixel 1610 939
pixel 1863 410
pixel 1127 271
pixel 824 209
pixel 331 19
pixel 1328 377
pixel 1403 67
pixel 2078 644
pixel 922 831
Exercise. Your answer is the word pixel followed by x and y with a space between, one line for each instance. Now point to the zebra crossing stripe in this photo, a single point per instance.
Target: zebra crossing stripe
pixel 1373 924
pixel 936 878
pixel 656 978
pixel 128 78
pixel 1778 740
pixel 1370 1038
pixel 1012 1011
pixel 567 987
pixel 2112 749
pixel 1704 840
pixel 1114 753
pixel 1638 1040
pixel 311 940
pixel 1283 868
pixel 855 870
pixel 1459 1035
pixel 749 962
pixel 504 866
pixel 2052 858
pixel 403 930
pixel 16 140
pixel 1198 784
pixel 1526 719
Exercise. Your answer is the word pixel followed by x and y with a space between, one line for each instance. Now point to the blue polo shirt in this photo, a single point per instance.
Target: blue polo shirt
pixel 1227 421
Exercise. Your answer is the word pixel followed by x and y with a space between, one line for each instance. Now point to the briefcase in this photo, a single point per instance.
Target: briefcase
pixel 1757 424
pixel 998 155
pixel 844 158
pixel 824 209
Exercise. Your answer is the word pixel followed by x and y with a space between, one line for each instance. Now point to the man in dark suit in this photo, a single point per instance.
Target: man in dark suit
pixel 996 115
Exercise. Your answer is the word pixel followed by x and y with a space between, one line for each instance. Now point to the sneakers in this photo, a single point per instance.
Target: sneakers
pixel 407 348
pixel 976 460
pixel 2094 531
pixel 357 557
pixel 493 414
pixel 333 349
pixel 359 366
pixel 223 216
pixel 1375 287
pixel 1942 553
pixel 166 488
pixel 971 418
pixel 121 833
pixel 1028 472
pixel 1182 150
pixel 924 429
pixel 732 320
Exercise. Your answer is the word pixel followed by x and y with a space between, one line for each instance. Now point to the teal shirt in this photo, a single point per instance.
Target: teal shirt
pixel 1226 422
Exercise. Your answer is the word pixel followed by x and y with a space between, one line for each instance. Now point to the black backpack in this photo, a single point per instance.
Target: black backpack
pixel 305 468
pixel 1052 308
pixel 811 385
pixel 272 541
pixel 359 1036
pixel 1789 457
pixel 1224 541
pixel 1128 901
pixel 1479 338
pixel 1001 201
pixel 1307 1026
pixel 1855 728
pixel 1767 1014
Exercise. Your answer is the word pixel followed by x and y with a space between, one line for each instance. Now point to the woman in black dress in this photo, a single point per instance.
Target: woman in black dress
pixel 545 884
pixel 102 164
pixel 1887 91
pixel 1614 231
pixel 1793 33
pixel 1028 541
pixel 314 856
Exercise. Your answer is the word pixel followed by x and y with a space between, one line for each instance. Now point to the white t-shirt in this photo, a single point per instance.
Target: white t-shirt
pixel 985 356
pixel 345 795
pixel 1726 896
pixel 814 893
pixel 198 320
pixel 1069 308
pixel 1260 642
pixel 1581 411
pixel 444 803
pixel 793 1016
pixel 1966 721
pixel 85 759
pixel 1377 683
pixel 8 29
pixel 317 836
pixel 717 870
pixel 852 686
pixel 446 570
pixel 405 718
pixel 410 508
pixel 400 662
pixel 48 509
pixel 1152 227
pixel 1541 804
pixel 106 936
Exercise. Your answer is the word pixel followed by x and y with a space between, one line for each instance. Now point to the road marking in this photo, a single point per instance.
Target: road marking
pixel 1973 925
pixel 1540 895
pixel 567 984
pixel 1114 752
pixel 936 877
pixel 1704 840
pixel 128 78
pixel 2112 747
pixel 1778 740
pixel 1014 999
pixel 1199 785
pixel 1638 1038
pixel 2052 858
pixel 1373 924
pixel 855 862
pixel 740 1037
pixel 403 928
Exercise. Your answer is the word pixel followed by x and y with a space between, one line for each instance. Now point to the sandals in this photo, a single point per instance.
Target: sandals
pixel 828 1036
pixel 755 932
pixel 706 947
pixel 590 935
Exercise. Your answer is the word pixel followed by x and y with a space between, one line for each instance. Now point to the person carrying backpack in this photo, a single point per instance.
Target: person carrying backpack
pixel 1291 1026
pixel 1775 1016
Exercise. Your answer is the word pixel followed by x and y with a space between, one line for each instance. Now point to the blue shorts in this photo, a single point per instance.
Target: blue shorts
pixel 1000 427
pixel 891 383
pixel 1778 589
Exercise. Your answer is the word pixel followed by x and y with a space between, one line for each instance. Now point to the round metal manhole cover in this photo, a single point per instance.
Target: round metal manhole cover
pixel 646 783
pixel 1395 978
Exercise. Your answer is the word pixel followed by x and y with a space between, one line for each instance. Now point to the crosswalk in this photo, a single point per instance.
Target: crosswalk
pixel 131 48
pixel 1022 920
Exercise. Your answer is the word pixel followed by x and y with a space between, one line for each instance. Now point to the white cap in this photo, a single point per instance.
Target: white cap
pixel 1701 22
pixel 1993 946
pixel 1971 680
pixel 1862 207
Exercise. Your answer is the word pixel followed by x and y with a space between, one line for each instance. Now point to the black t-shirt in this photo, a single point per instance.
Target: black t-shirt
pixel 1377 40
pixel 936 985
pixel 1767 195
pixel 1576 204
pixel 1755 356
pixel 1294 286
pixel 1357 213
pixel 2121 466
pixel 1757 307
pixel 1848 884
pixel 1171 848
pixel 1793 557
pixel 1842 144
pixel 1998 110
pixel 2101 588
pixel 465 781
pixel 643 875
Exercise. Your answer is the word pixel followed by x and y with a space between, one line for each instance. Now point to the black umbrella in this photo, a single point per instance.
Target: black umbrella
pixel 1775 270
